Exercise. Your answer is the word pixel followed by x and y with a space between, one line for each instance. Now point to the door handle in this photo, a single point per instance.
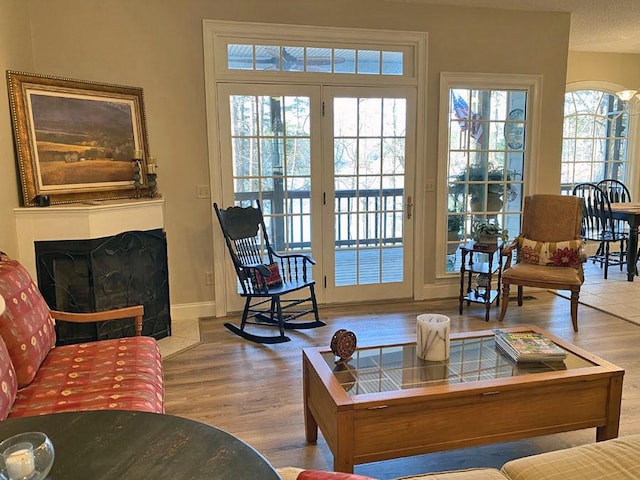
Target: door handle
pixel 409 207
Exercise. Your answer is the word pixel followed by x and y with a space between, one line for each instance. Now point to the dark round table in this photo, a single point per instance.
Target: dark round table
pixel 138 445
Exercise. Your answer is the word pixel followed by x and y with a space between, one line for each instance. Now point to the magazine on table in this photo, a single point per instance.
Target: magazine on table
pixel 528 347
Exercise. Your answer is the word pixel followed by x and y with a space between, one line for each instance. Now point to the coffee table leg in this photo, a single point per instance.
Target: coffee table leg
pixel 310 426
pixel 343 456
pixel 610 429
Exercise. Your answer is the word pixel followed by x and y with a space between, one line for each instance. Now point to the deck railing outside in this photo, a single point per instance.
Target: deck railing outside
pixel 383 226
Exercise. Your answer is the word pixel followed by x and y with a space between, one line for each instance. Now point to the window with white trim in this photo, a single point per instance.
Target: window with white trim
pixel 486 126
pixel 595 138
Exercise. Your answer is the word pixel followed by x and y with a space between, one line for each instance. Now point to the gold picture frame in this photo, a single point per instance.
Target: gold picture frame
pixel 76 140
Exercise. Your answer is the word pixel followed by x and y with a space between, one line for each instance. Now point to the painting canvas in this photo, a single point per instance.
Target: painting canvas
pixel 75 140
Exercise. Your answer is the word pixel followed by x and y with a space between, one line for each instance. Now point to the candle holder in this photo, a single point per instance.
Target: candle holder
pixel 152 174
pixel 26 456
pixel 136 178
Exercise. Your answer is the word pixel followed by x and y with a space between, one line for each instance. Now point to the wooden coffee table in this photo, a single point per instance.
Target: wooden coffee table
pixel 387 403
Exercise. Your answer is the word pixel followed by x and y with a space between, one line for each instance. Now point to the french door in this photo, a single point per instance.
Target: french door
pixel 330 167
pixel 368 136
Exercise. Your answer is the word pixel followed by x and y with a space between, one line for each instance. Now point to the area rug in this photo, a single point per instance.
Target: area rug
pixel 615 295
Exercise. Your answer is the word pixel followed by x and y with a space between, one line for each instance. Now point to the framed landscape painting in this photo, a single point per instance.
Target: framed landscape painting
pixel 76 140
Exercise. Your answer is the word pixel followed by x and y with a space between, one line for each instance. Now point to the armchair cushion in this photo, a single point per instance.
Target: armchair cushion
pixel 525 274
pixel 26 324
pixel 529 251
pixel 557 254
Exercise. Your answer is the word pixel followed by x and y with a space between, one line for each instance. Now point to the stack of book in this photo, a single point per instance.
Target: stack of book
pixel 528 347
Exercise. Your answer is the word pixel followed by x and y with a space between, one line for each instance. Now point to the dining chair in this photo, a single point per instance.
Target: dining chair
pixel 599 226
pixel 617 192
pixel 548 253
pixel 266 276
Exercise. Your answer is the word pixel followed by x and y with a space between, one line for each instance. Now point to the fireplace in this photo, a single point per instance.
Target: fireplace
pixel 129 268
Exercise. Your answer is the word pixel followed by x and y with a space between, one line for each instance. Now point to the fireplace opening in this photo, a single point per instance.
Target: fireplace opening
pixel 100 274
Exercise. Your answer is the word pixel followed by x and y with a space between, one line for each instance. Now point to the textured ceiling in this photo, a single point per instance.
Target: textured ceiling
pixel 596 25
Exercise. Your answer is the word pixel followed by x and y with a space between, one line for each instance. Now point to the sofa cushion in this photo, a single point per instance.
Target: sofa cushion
pixel 616 458
pixel 8 383
pixel 467 474
pixel 26 325
pixel 119 374
pixel 293 473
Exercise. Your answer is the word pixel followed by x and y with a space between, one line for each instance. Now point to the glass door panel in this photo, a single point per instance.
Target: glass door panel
pixel 271 151
pixel 371 202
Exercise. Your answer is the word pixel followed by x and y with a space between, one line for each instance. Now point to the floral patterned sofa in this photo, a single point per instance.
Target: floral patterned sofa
pixel 37 378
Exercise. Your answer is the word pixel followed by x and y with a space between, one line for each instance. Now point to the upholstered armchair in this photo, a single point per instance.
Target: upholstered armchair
pixel 549 250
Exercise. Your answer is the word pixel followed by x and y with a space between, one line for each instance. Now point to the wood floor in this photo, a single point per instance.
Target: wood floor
pixel 255 391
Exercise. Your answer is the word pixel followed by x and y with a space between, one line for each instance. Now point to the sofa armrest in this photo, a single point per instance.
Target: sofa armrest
pixel 137 311
pixel 616 458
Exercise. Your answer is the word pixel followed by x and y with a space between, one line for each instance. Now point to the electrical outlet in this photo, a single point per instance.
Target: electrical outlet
pixel 209 278
pixel 202 191
pixel 429 185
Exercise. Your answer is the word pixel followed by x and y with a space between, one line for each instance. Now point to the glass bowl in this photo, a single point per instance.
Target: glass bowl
pixel 26 456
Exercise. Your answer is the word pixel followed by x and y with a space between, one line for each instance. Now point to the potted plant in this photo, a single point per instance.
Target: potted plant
pixel 490 173
pixel 489 232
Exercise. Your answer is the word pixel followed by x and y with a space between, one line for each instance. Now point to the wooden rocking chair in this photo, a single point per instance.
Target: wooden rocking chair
pixel 265 276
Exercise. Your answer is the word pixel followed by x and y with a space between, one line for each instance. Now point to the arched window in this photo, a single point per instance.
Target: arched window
pixel 595 143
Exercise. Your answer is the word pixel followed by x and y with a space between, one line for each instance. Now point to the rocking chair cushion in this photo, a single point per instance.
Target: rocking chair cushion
pixel 274 279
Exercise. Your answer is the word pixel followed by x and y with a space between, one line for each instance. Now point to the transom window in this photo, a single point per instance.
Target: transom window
pixel 595 146
pixel 314 59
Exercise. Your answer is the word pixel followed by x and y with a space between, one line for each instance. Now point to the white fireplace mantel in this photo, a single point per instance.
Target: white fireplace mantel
pixel 82 222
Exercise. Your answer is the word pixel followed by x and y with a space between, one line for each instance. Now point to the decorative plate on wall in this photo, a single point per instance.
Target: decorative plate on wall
pixel 514 129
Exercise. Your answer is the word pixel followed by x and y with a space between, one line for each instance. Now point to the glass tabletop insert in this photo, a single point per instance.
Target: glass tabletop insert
pixel 397 367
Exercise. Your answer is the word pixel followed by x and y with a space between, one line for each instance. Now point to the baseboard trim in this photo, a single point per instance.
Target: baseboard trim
pixel 452 290
pixel 437 291
pixel 193 310
pixel 208 309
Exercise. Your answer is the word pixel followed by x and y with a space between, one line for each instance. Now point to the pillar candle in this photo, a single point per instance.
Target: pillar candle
pixel 432 336
pixel 19 461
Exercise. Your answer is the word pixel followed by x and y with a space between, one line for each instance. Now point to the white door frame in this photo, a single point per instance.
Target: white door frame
pixel 216 36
